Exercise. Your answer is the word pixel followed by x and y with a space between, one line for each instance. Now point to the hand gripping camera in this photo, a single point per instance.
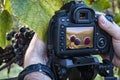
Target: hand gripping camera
pixel 73 36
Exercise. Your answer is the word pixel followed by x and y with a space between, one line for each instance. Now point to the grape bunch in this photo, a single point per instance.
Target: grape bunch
pixel 14 53
pixel 75 40
pixel 20 42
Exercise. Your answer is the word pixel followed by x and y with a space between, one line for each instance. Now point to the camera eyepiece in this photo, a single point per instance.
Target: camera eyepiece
pixel 83 14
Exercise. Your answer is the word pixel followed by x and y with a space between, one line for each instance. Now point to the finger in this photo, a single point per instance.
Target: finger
pixel 116 61
pixel 105 56
pixel 109 27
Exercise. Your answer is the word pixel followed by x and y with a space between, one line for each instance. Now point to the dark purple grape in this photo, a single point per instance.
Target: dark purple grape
pixel 21 46
pixel 28 28
pixel 1 50
pixel 13 40
pixel 72 38
pixel 15 45
pixel 16 51
pixel 21 35
pixel 17 41
pixel 12 33
pixel 22 41
pixel 32 34
pixel 27 35
pixel 8 36
pixel 16 36
pixel 77 41
pixel 22 29
pixel 8 48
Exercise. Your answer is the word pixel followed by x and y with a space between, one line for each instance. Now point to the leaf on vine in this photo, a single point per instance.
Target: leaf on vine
pixel 7 5
pixel 35 13
pixel 101 5
pixel 117 18
pixel 6 23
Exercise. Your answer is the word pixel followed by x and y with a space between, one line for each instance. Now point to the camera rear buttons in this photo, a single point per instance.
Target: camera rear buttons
pixel 62 26
pixel 101 42
pixel 64 19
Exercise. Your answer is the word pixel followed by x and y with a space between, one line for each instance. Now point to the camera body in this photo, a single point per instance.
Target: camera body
pixel 74 31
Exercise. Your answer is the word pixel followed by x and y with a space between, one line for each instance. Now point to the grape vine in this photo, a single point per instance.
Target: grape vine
pixel 15 52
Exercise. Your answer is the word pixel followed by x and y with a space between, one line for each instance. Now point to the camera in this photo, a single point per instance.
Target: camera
pixel 73 37
pixel 74 31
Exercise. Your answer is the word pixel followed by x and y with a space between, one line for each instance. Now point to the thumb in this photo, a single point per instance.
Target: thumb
pixel 111 28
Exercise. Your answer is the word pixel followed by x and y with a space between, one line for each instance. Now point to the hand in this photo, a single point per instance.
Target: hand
pixel 36 52
pixel 113 30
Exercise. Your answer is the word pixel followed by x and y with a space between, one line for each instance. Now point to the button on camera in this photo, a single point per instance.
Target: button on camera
pixel 61 43
pixel 101 42
pixel 61 38
pixel 61 49
pixel 68 20
pixel 63 20
pixel 62 26
pixel 62 33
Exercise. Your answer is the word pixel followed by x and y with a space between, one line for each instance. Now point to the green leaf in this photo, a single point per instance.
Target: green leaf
pixel 7 5
pixel 35 13
pixel 117 18
pixel 101 5
pixel 5 25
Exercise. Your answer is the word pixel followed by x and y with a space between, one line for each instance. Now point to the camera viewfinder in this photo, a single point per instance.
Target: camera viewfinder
pixel 83 16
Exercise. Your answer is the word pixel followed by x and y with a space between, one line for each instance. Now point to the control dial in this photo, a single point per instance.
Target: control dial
pixel 101 42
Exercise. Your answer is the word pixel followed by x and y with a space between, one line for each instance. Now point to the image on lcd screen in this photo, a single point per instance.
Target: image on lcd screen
pixel 79 37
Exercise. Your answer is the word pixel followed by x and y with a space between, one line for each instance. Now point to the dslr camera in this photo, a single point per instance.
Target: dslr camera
pixel 73 36
pixel 74 31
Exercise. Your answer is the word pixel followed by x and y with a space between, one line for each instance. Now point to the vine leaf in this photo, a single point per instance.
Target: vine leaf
pixel 6 23
pixel 101 5
pixel 117 18
pixel 35 13
pixel 7 5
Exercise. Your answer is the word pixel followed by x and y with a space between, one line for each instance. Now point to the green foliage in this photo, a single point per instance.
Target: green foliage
pixel 35 13
pixel 117 18
pixel 101 5
pixel 5 25
pixel 7 5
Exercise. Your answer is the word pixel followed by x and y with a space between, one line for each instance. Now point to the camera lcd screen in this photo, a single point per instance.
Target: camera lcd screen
pixel 79 37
